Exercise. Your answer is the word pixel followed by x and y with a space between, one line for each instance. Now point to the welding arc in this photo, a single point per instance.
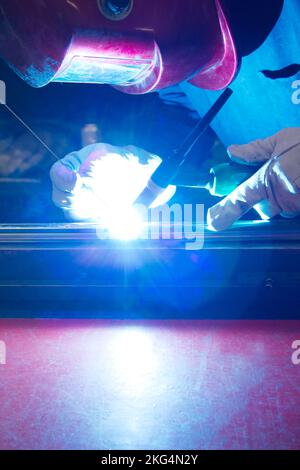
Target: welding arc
pixel 35 135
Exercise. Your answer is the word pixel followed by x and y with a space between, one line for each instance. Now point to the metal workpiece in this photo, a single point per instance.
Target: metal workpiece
pixel 244 235
pixel 66 271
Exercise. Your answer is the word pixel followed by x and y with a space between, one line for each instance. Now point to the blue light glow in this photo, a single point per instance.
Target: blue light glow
pixel 107 192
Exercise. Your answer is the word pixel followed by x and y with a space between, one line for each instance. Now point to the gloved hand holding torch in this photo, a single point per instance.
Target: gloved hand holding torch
pixel 274 189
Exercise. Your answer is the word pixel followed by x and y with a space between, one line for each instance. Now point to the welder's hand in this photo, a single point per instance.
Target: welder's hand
pixel 274 189
pixel 100 177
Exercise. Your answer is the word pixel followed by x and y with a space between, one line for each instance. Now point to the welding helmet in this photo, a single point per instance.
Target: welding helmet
pixel 137 46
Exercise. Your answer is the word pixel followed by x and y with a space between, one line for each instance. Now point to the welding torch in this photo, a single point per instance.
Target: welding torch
pixel 221 179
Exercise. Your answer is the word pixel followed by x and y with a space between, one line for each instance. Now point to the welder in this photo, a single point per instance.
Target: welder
pixel 143 56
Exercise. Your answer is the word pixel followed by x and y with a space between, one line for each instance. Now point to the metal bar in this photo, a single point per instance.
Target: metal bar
pixel 280 234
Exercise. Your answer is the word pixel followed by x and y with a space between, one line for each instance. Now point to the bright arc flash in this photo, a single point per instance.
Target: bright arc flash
pixel 107 193
pixel 125 225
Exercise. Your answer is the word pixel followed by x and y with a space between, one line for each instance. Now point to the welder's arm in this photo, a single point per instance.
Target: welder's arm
pixel 274 189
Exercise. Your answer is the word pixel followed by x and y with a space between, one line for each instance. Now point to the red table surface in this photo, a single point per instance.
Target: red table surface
pixel 90 384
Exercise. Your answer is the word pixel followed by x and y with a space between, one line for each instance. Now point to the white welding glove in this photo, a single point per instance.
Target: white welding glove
pixel 274 189
pixel 102 177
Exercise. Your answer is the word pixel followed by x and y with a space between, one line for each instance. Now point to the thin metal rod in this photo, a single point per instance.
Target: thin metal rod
pixel 171 166
pixel 192 139
pixel 35 135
